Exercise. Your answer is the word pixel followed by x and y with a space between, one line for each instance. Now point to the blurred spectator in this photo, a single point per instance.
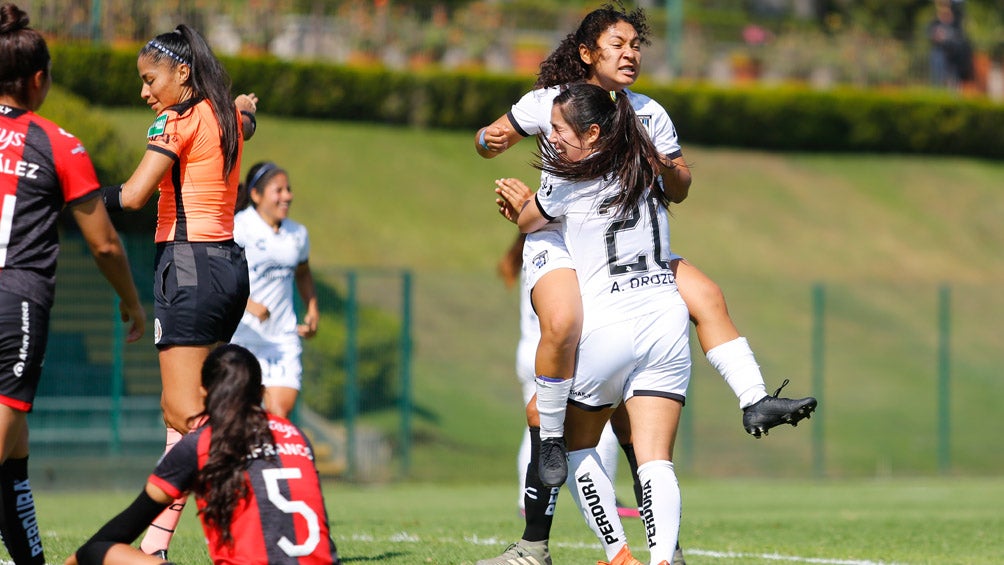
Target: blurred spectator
pixel 951 51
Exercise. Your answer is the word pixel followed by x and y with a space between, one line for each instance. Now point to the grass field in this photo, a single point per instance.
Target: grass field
pixel 748 522
pixel 883 233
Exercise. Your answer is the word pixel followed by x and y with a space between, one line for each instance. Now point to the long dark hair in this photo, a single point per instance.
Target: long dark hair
pixel 624 153
pixel 258 176
pixel 565 66
pixel 231 376
pixel 23 53
pixel 208 78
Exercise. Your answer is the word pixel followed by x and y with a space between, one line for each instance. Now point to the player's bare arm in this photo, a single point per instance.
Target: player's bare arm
pixel 144 181
pixel 676 179
pixel 495 138
pixel 110 257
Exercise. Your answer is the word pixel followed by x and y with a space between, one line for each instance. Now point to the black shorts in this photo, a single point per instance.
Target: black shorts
pixel 24 331
pixel 200 291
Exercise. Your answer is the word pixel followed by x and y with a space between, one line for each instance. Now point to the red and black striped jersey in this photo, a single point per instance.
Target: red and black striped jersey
pixel 42 169
pixel 282 520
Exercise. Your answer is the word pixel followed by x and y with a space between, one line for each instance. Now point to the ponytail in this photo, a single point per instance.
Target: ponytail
pixel 231 376
pixel 623 151
pixel 208 78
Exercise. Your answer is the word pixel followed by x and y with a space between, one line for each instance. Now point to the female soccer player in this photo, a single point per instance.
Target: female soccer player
pixel 201 280
pixel 252 473
pixel 510 268
pixel 277 249
pixel 603 191
pixel 606 50
pixel 45 169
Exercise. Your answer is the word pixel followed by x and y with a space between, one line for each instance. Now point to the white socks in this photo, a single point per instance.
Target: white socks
pixel 594 495
pixel 734 360
pixel 609 451
pixel 660 508
pixel 552 401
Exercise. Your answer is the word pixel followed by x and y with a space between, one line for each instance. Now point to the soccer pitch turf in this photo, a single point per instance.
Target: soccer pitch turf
pixel 858 522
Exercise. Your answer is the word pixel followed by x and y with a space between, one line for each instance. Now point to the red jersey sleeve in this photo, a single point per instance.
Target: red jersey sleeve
pixel 176 471
pixel 73 166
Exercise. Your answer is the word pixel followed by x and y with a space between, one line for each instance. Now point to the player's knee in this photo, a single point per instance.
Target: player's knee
pixel 179 418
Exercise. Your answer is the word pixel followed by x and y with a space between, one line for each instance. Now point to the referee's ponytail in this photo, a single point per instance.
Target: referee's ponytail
pixel 208 79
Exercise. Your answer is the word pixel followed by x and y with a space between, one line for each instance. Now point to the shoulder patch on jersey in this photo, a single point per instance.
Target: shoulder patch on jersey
pixel 158 127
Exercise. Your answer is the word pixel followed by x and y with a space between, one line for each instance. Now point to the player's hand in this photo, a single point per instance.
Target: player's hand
pixel 133 313
pixel 71 560
pixel 513 194
pixel 258 310
pixel 247 102
pixel 497 138
pixel 308 328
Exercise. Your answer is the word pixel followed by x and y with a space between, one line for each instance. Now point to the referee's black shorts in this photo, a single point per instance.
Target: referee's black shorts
pixel 200 291
pixel 24 332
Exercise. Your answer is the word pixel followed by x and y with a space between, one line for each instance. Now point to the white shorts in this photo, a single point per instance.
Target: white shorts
pixel 280 362
pixel 544 251
pixel 526 353
pixel 644 356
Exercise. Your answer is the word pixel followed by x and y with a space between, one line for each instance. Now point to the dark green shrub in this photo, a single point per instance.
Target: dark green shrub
pixel 324 359
pixel 788 118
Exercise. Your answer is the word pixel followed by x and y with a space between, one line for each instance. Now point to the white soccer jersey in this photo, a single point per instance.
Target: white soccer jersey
pixel 622 260
pixel 635 325
pixel 272 261
pixel 532 115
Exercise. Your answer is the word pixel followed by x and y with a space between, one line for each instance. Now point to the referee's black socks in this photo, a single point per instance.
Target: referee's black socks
pixel 18 523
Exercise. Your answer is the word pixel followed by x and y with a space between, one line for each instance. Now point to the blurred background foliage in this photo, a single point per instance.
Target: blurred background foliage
pixel 827 42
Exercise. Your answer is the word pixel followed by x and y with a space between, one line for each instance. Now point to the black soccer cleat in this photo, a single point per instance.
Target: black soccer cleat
pixel 553 462
pixel 771 411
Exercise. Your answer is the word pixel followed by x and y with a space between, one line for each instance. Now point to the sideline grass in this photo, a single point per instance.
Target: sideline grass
pixel 907 522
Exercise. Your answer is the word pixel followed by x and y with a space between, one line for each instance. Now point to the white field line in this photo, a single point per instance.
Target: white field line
pixel 405 537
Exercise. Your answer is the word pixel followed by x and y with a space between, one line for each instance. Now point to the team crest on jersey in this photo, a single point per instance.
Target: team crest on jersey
pixel 647 122
pixel 158 127
pixel 540 259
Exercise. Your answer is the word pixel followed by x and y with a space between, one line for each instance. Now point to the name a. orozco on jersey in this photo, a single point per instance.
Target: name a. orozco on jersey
pixel 641 281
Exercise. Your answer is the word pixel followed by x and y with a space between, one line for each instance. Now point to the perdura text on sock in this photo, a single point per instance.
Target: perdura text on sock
pixel 588 490
pixel 26 513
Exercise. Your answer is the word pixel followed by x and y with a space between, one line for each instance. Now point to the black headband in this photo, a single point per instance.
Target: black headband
pixel 266 168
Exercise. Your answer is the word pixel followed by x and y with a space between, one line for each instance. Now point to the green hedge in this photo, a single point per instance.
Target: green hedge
pixel 790 118
pixel 113 159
